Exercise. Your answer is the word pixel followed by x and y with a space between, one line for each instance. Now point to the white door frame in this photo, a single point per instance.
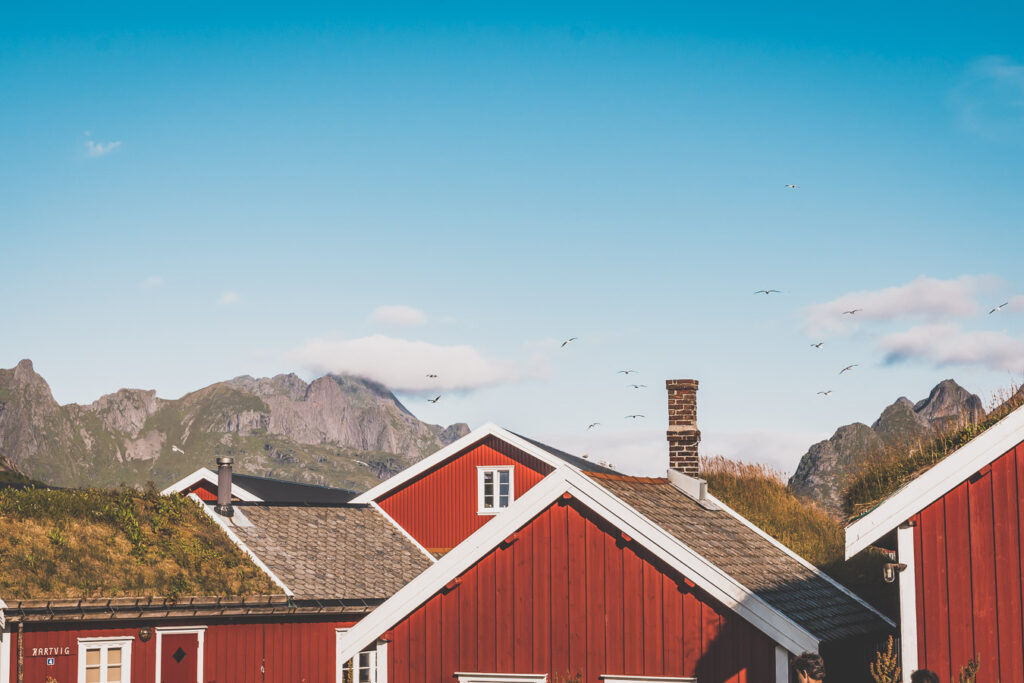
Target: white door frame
pixel 199 631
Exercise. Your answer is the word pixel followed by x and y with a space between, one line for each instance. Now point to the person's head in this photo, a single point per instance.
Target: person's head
pixel 924 676
pixel 809 668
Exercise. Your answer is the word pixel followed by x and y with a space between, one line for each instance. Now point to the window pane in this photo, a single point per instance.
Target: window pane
pixel 503 477
pixel 92 657
pixel 488 501
pixel 114 674
pixel 114 656
pixel 92 676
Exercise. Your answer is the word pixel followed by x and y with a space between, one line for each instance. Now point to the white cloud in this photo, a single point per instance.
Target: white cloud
pixel 99 149
pixel 947 344
pixel 924 298
pixel 403 365
pixel 990 98
pixel 228 298
pixel 152 282
pixel 398 315
pixel 1015 303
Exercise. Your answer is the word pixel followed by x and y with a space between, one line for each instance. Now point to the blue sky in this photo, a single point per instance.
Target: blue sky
pixel 190 194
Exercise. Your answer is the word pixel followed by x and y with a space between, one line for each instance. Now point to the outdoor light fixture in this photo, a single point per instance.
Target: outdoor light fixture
pixel 145 633
pixel 889 570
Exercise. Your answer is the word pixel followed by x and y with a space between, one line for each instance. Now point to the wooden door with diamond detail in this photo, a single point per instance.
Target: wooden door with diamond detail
pixel 179 658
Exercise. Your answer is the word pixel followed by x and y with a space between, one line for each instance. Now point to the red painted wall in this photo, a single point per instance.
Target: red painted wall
pixel 967 547
pixel 292 652
pixel 204 490
pixel 567 596
pixel 439 508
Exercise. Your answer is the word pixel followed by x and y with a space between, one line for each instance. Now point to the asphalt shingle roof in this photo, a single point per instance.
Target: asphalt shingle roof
pixel 336 552
pixel 773 575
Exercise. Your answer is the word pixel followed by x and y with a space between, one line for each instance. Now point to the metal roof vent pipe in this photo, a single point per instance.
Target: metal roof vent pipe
pixel 224 486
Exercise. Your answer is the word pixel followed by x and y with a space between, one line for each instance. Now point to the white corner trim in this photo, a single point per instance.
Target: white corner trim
pixel 945 476
pixel 438 457
pixel 204 474
pixel 241 544
pixel 5 654
pixel 405 533
pixel 666 547
pixel 789 551
pixel 200 633
pixel 781 665
pixel 908 600
pixel 472 677
pixel 3 617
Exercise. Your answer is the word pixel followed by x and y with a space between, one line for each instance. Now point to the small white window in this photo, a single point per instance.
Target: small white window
pixel 369 666
pixel 104 660
pixel 495 489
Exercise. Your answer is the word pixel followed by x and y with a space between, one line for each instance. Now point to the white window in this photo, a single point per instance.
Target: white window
pixel 465 677
pixel 104 660
pixel 369 666
pixel 495 489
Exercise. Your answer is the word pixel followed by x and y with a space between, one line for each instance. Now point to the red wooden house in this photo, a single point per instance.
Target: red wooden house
pixel 957 533
pixel 497 559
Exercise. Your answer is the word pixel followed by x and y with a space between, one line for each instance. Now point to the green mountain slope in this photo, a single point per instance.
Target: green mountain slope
pixel 336 431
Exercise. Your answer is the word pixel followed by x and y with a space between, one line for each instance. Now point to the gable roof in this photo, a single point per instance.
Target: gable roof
pixel 936 482
pixel 546 454
pixel 772 571
pixel 655 538
pixel 331 552
pixel 252 489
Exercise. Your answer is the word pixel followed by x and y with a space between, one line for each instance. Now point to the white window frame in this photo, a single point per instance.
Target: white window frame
pixel 495 469
pixel 123 642
pixel 199 631
pixel 473 677
pixel 380 658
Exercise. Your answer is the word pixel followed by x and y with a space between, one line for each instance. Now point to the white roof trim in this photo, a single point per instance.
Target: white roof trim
pixel 438 457
pixel 789 551
pixel 402 531
pixel 945 476
pixel 241 544
pixel 204 474
pixel 666 547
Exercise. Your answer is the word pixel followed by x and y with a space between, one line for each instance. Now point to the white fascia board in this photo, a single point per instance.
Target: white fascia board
pixel 241 544
pixel 682 559
pixel 945 476
pixel 401 530
pixel 207 475
pixel 438 457
pixel 789 551
pixel 907 600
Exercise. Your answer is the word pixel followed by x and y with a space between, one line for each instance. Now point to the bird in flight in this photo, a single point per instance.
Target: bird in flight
pixel 432 376
pixel 855 310
pixel 825 393
pixel 625 372
pixel 434 400
pixel 767 291
pixel 817 345
pixel 638 386
pixel 790 186
pixel 591 426
pixel 848 367
pixel 633 417
pixel 570 339
pixel 998 308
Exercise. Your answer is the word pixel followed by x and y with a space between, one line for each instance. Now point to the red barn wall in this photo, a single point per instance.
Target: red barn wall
pixel 292 652
pixel 968 555
pixel 439 508
pixel 205 490
pixel 569 596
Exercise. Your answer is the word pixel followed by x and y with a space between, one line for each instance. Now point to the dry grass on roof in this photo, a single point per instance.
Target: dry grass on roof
pixel 760 494
pixel 880 478
pixel 82 543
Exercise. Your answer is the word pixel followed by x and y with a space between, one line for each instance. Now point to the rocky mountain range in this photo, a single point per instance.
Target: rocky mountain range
pixel 337 431
pixel 828 465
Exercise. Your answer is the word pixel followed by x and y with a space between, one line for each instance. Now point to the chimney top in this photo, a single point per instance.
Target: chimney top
pixel 223 506
pixel 683 435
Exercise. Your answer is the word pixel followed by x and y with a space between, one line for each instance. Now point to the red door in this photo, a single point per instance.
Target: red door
pixel 179 658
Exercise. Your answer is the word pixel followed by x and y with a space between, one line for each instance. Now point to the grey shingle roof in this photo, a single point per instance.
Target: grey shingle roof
pixel 784 583
pixel 334 552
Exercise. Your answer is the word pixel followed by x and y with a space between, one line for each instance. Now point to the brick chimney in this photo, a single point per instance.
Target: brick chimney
pixel 683 435
pixel 223 506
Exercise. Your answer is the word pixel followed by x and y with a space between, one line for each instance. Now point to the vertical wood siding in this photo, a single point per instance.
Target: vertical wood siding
pixel 567 595
pixel 204 490
pixel 439 508
pixel 235 652
pixel 969 582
